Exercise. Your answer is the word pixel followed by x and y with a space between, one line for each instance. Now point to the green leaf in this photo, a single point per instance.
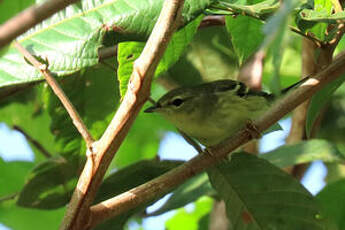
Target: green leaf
pixel 128 52
pixel 50 184
pixel 9 8
pixel 25 109
pixel 313 21
pixel 259 195
pixel 246 35
pixel 319 100
pixel 184 220
pixel 126 179
pixel 16 217
pixel 211 55
pixel 94 94
pixel 70 39
pixel 321 16
pixel 12 176
pixel 188 192
pixel 261 10
pixel 332 201
pixel 132 176
pixel 138 145
pixel 304 152
pixel 274 30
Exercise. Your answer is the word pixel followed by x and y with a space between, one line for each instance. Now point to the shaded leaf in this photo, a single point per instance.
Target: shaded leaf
pixel 259 195
pixel 26 110
pixel 128 52
pixel 127 178
pixel 138 145
pixel 304 152
pixel 50 184
pixel 188 192
pixel 12 176
pixel 132 176
pixel 210 53
pixel 274 30
pixel 246 35
pixel 95 96
pixel 332 201
pixel 21 218
pixel 319 100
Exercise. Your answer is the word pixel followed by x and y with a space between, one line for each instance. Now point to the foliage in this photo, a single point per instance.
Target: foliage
pixel 257 193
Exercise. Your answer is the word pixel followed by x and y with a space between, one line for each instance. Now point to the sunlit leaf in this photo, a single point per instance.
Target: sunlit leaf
pixel 70 39
pixel 260 10
pixel 184 220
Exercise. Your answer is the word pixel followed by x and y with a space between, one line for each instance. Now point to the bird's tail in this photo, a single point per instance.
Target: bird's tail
pixel 284 91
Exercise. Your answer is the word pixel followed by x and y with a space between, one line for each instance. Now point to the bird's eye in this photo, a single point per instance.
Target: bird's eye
pixel 177 102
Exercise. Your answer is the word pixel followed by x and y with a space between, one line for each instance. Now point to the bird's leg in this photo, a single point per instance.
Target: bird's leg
pixel 192 142
pixel 252 130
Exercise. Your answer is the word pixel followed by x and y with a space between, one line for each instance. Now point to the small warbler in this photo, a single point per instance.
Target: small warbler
pixel 211 112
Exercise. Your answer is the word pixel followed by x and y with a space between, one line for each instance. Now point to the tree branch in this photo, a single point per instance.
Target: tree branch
pixel 308 36
pixel 76 216
pixel 77 121
pixel 33 141
pixel 163 184
pixel 29 18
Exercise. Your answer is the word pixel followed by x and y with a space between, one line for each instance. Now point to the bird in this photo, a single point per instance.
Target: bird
pixel 213 111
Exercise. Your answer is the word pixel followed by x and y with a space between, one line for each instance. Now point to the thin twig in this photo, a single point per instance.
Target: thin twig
pixel 315 40
pixel 163 184
pixel 77 121
pixel 9 197
pixel 29 18
pixel 76 216
pixel 153 102
pixel 33 141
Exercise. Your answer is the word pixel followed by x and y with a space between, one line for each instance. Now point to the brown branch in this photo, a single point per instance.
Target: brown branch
pixel 29 18
pixel 212 20
pixel 33 141
pixel 76 216
pixel 77 121
pixel 107 52
pixel 166 182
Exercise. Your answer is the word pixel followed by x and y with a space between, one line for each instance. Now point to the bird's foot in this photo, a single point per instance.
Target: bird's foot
pixel 252 130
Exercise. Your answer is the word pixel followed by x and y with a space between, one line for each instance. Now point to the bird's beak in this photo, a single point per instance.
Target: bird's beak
pixel 152 109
